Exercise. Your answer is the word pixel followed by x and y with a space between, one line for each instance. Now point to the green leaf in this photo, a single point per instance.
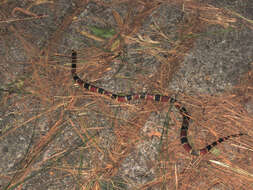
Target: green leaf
pixel 102 32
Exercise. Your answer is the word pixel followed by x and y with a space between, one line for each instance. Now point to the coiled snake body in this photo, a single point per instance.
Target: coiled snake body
pixel 156 97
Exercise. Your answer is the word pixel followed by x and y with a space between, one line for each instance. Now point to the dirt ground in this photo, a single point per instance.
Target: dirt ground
pixel 56 135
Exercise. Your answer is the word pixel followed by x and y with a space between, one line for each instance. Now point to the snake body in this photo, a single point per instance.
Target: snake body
pixel 157 97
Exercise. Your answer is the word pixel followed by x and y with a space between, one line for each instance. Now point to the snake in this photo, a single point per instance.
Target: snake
pixel 151 97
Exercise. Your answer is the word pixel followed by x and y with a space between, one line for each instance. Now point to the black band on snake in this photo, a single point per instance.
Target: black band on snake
pixel 157 97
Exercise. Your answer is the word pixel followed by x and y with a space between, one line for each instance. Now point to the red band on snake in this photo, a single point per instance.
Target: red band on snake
pixel 157 97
